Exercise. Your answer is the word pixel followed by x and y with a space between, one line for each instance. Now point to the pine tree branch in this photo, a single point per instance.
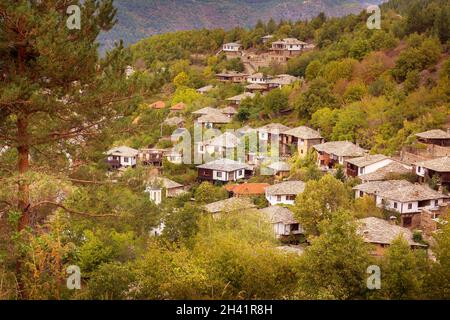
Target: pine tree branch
pixel 84 214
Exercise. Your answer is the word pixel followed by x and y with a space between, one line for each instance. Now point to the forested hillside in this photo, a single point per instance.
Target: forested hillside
pixel 62 107
pixel 138 19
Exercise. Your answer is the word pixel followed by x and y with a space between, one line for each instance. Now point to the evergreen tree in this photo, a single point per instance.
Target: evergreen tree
pixel 56 91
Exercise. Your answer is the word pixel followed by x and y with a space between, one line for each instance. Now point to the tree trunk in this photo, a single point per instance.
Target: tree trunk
pixel 23 189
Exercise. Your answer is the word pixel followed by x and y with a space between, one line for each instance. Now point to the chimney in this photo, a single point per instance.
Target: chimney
pixel 393 220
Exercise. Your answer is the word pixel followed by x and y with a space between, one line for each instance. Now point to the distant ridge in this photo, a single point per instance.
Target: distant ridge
pixel 138 19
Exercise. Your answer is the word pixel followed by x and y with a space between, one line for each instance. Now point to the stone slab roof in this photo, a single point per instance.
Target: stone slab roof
pixel 230 205
pixel 376 187
pixel 383 173
pixel 213 117
pixel 367 160
pixel 286 188
pixel 224 164
pixel 341 149
pixel 174 121
pixel 123 151
pixel 438 165
pixel 205 88
pixel 226 140
pixel 434 134
pixel 379 231
pixel 165 183
pixel 206 110
pixel 241 96
pixel 228 110
pixel 278 214
pixel 413 192
pixel 274 128
pixel 303 132
pixel 280 166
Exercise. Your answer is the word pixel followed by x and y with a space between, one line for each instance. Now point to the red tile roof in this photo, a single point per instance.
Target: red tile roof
pixel 247 188
pixel 158 105
pixel 178 106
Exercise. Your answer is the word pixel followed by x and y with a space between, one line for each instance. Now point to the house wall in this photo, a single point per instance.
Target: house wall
pixel 304 146
pixel 403 207
pixel 257 80
pixel 282 229
pixel 131 161
pixel 374 167
pixel 175 159
pixel 155 195
pixel 231 48
pixel 274 200
pixel 228 176
pixel 294 47
pixel 359 195
pixel 263 135
pixel 325 160
pixel 420 171
pixel 282 174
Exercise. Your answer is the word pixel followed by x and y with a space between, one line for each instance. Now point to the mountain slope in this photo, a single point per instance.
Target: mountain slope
pixel 138 19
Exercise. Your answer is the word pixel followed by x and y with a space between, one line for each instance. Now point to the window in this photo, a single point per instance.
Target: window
pixel 436 203
pixel 241 172
pixel 279 198
pixel 361 170
pixel 219 174
pixel 201 148
pixel 125 159
pixel 361 194
pixel 295 227
pixel 395 205
pixel 409 206
pixel 290 197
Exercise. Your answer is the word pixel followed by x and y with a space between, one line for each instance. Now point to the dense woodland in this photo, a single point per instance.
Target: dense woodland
pixel 62 106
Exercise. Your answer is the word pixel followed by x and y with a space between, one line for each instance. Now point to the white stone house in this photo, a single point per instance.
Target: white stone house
pixel 284 193
pixel 373 188
pixel 232 47
pixel 258 78
pixel 223 170
pixel 337 152
pixel 122 157
pixel 213 119
pixel 157 185
pixel 283 221
pixel 411 199
pixel 366 164
pixel 222 145
pixel 403 197
pixel 265 132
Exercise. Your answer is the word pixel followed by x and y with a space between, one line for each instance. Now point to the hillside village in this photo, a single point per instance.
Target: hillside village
pixel 289 160
pixel 399 185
